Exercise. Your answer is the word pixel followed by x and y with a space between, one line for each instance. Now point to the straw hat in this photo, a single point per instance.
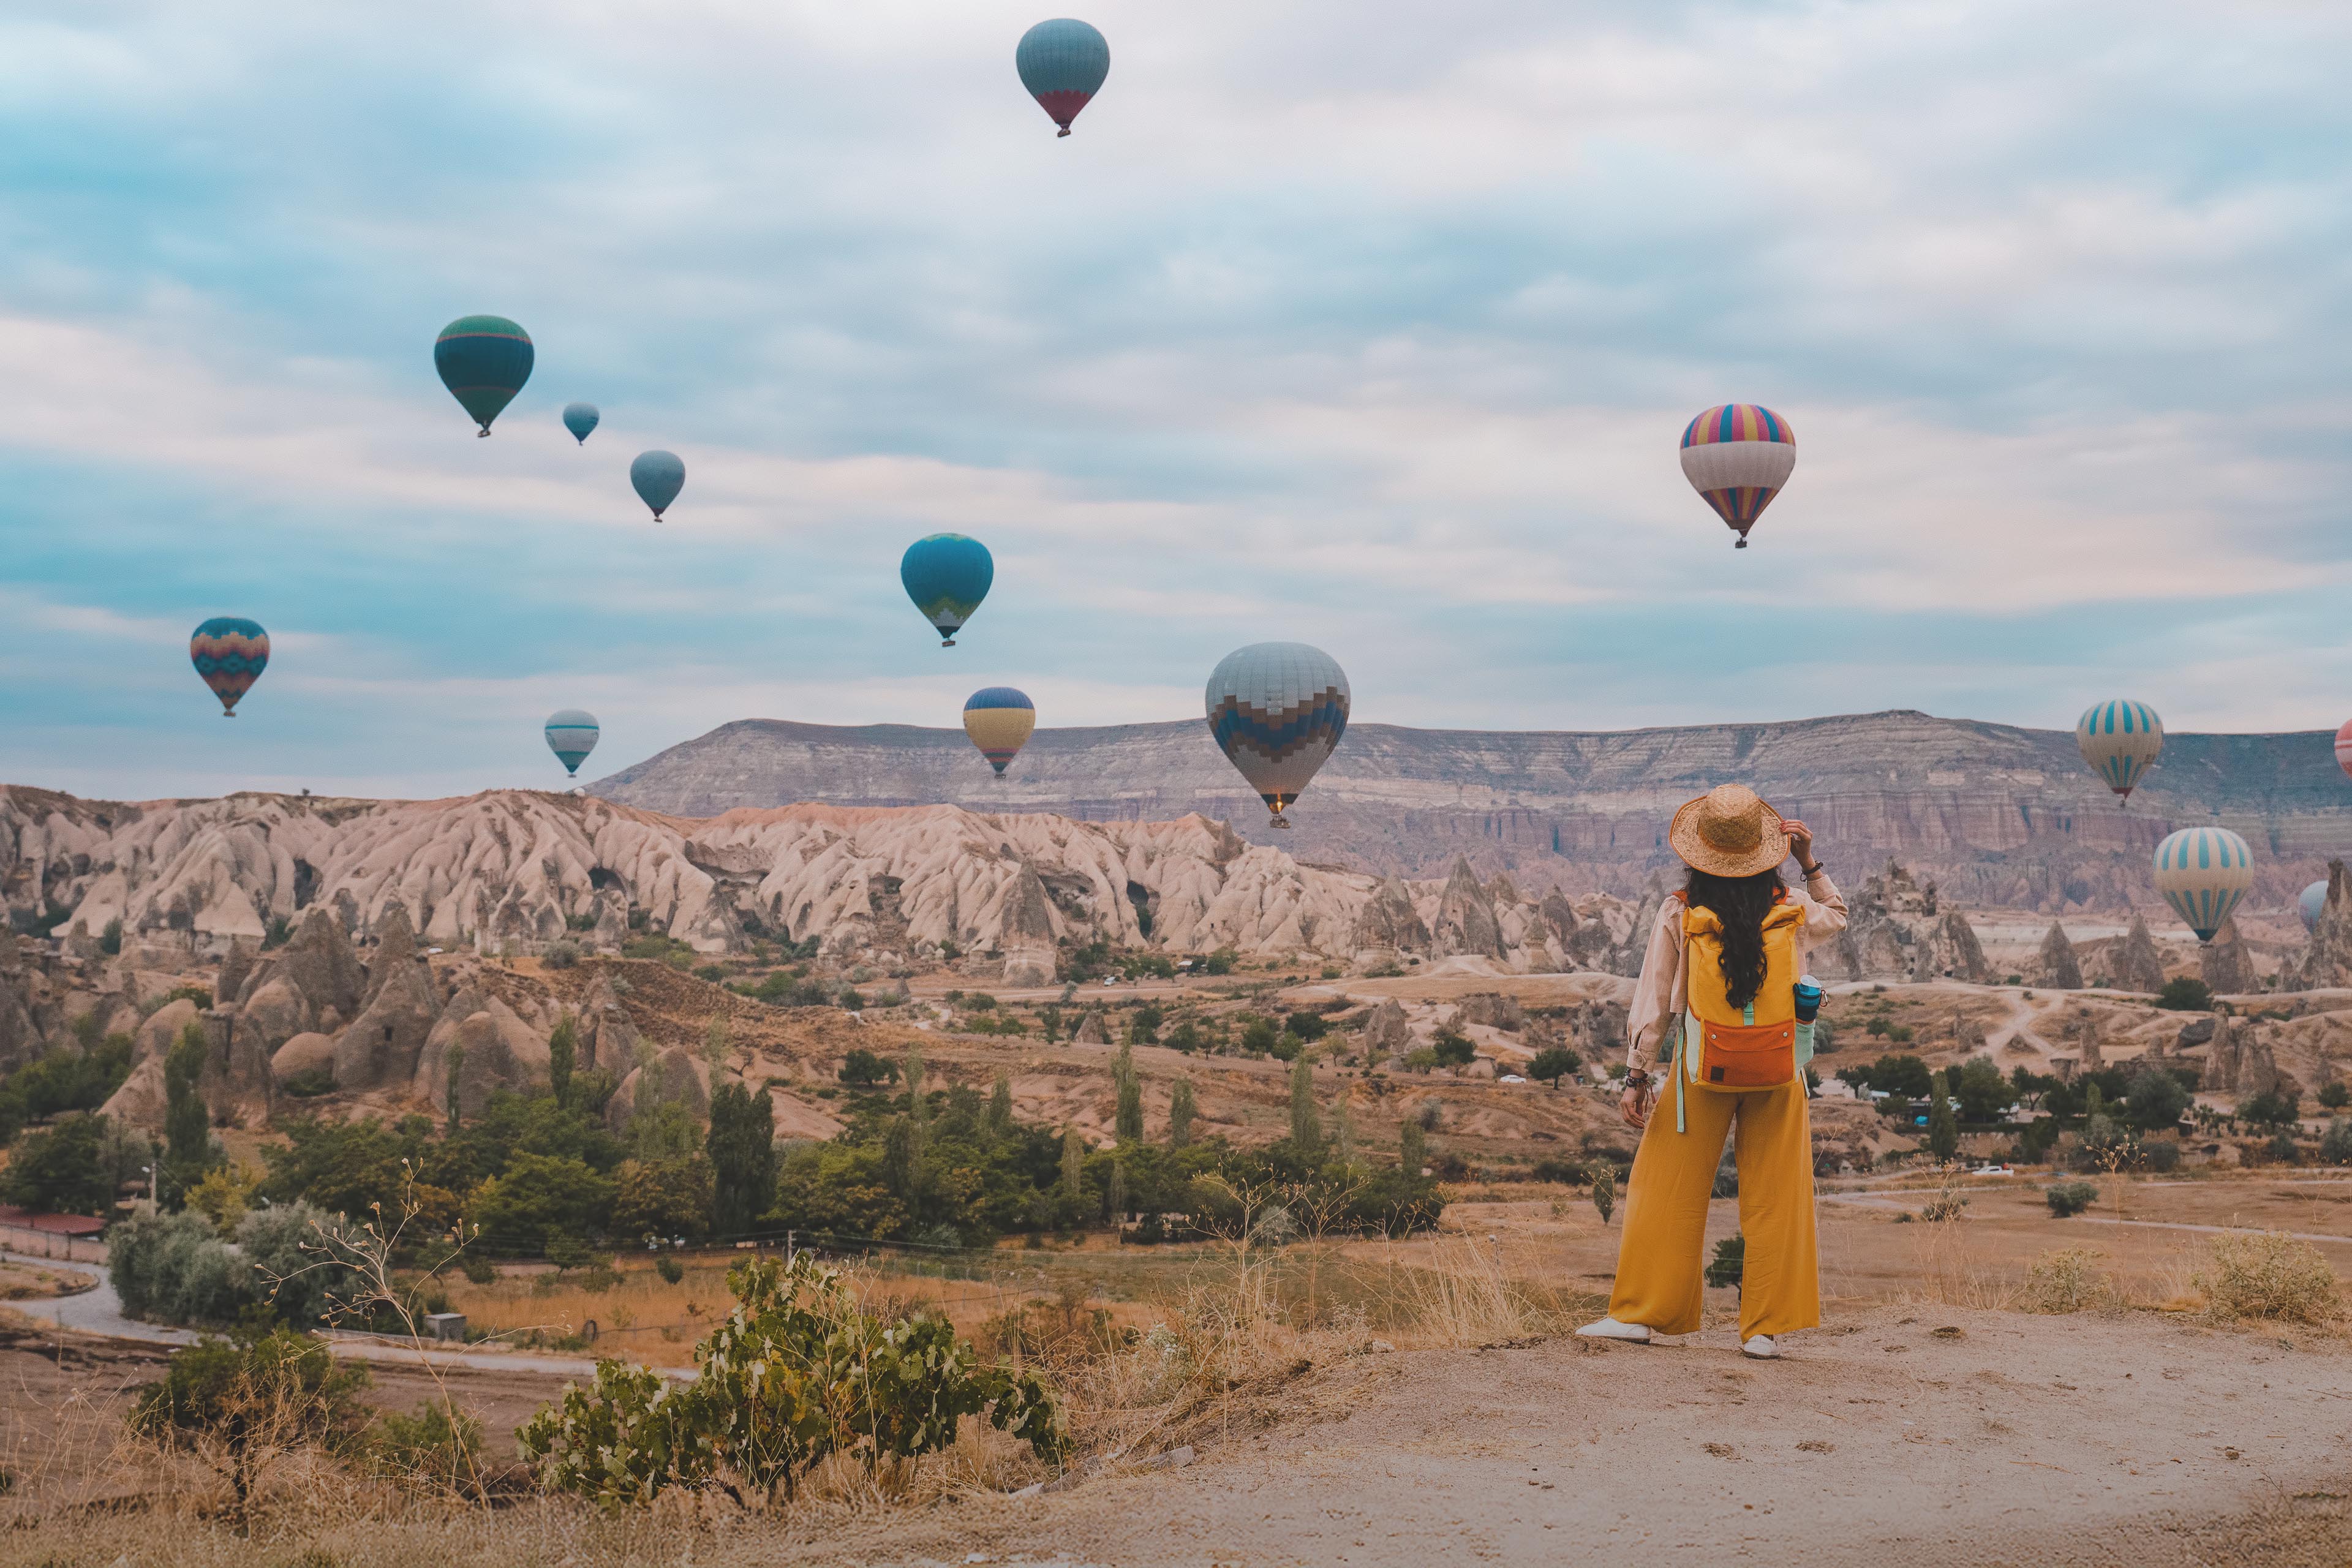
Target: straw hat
pixel 1728 832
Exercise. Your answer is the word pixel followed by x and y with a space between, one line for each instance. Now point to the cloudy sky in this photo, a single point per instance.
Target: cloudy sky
pixel 1372 323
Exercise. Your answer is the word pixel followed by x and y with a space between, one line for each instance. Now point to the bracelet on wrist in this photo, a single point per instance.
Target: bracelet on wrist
pixel 1810 871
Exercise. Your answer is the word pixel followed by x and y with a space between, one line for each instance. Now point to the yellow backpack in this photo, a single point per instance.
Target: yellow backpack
pixel 1759 1046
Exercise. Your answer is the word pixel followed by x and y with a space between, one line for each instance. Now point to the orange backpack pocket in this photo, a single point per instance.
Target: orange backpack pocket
pixel 1747 1056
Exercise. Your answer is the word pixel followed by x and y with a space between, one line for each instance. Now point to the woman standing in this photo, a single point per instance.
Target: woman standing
pixel 1717 1008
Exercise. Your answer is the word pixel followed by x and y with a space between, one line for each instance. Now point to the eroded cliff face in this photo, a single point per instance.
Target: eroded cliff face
pixel 1997 817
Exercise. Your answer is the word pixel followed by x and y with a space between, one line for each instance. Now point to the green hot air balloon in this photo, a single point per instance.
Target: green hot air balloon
pixel 581 418
pixel 947 576
pixel 658 476
pixel 483 361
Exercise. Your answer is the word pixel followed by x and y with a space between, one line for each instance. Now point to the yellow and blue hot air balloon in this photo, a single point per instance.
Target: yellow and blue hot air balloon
pixel 1000 721
pixel 1737 456
pixel 229 653
pixel 947 576
pixel 2120 740
pixel 2202 872
pixel 1277 708
pixel 1063 63
pixel 581 418
pixel 571 735
pixel 658 476
pixel 483 361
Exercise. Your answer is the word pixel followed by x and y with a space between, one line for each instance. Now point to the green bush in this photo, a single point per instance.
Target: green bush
pixel 438 1450
pixel 562 954
pixel 2335 1096
pixel 2068 1199
pixel 1730 1263
pixel 311 1083
pixel 796 1373
pixel 2336 1145
pixel 241 1402
pixel 2185 994
pixel 670 1270
pixel 2283 1150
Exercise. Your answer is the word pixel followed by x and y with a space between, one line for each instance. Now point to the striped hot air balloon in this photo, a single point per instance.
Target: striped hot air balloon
pixel 1737 456
pixel 1063 63
pixel 229 653
pixel 1277 710
pixel 947 576
pixel 483 361
pixel 2313 899
pixel 2202 872
pixel 2120 740
pixel 571 735
pixel 2344 747
pixel 1000 721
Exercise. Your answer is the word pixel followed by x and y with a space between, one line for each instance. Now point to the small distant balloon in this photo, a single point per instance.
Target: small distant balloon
pixel 2120 740
pixel 229 653
pixel 947 576
pixel 1063 63
pixel 1000 721
pixel 483 361
pixel 571 735
pixel 2202 872
pixel 2313 899
pixel 2344 747
pixel 1277 710
pixel 1737 456
pixel 579 418
pixel 658 476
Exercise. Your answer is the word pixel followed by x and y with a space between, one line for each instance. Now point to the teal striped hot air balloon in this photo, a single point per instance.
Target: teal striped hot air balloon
pixel 2202 872
pixel 1063 64
pixel 229 653
pixel 571 735
pixel 483 361
pixel 581 418
pixel 947 576
pixel 2120 740
pixel 659 477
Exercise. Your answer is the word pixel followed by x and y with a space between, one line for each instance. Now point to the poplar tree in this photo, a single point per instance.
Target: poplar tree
pixel 1181 1111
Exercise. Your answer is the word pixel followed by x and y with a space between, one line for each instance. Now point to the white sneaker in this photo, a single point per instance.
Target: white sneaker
pixel 1610 1329
pixel 1760 1347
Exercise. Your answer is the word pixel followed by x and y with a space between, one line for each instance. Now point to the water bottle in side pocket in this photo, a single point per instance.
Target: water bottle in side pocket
pixel 1809 1007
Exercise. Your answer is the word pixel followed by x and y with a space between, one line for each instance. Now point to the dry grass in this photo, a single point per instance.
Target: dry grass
pixel 2066 1279
pixel 2267 1274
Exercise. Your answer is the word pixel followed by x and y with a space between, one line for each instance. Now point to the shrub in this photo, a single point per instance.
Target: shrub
pixel 2283 1150
pixel 561 955
pixel 796 1373
pixel 2336 1147
pixel 240 1404
pixel 438 1450
pixel 1730 1263
pixel 2266 1274
pixel 479 1271
pixel 2066 1280
pixel 2068 1199
pixel 2271 1109
pixel 1605 1191
pixel 1453 1048
pixel 862 1069
pixel 310 1082
pixel 2155 1098
pixel 2185 994
pixel 1553 1063
pixel 670 1270
pixel 60 1170
pixel 2335 1096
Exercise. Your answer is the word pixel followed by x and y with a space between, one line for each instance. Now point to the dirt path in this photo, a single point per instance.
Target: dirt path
pixel 2022 1017
pixel 1928 1438
pixel 1871 1201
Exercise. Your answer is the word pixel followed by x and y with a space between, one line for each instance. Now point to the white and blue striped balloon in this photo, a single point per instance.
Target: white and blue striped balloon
pixel 571 735
pixel 2120 740
pixel 2202 872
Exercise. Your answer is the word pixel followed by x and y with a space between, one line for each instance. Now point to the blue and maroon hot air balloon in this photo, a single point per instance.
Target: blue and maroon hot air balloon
pixel 229 653
pixel 1737 456
pixel 1063 63
pixel 947 576
pixel 483 361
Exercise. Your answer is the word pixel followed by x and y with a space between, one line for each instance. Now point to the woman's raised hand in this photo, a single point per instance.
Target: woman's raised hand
pixel 1801 840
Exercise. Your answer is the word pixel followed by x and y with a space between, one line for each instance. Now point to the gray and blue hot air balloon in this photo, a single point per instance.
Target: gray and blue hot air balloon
pixel 1277 710
pixel 571 735
pixel 1063 64
pixel 581 418
pixel 658 476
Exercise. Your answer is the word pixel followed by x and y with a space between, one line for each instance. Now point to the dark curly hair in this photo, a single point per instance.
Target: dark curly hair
pixel 1741 903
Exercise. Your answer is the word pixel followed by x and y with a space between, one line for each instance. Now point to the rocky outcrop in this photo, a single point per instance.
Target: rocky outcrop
pixel 1091 1031
pixel 1388 925
pixel 1465 923
pixel 2225 966
pixel 2134 964
pixel 1025 931
pixel 492 1048
pixel 2055 965
pixel 395 949
pixel 676 1075
pixel 1387 1035
pixel 140 1101
pixel 236 968
pixel 20 1041
pixel 2222 1056
pixel 380 1049
pixel 1492 1009
pixel 1951 950
pixel 606 1040
pixel 302 1053
pixel 2327 961
pixel 162 1030
pixel 2258 1069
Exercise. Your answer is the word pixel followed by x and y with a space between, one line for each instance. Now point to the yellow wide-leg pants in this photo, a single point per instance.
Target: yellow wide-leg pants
pixel 1658 1263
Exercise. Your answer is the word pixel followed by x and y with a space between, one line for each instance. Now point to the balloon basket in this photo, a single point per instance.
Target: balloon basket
pixel 1278 820
pixel 1741 545
pixel 483 434
pixel 1065 131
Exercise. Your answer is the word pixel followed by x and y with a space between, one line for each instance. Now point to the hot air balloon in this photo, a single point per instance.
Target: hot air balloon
pixel 229 653
pixel 1277 708
pixel 579 418
pixel 2202 872
pixel 1063 63
pixel 1000 721
pixel 658 476
pixel 1737 456
pixel 947 576
pixel 483 361
pixel 2344 747
pixel 2120 740
pixel 2313 899
pixel 571 735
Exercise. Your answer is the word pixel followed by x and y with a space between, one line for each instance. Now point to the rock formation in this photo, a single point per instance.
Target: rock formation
pixel 675 1075
pixel 1466 921
pixel 1491 1008
pixel 2227 968
pixel 1386 1033
pixel 381 1047
pixel 302 1053
pixel 1389 926
pixel 2327 961
pixel 2221 1054
pixel 1951 950
pixel 2258 1069
pixel 494 1049
pixel 19 1040
pixel 2134 964
pixel 2055 966
pixel 1090 1029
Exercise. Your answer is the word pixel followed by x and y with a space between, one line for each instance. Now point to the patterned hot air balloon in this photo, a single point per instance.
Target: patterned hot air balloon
pixel 1277 708
pixel 579 418
pixel 1000 721
pixel 2120 740
pixel 2202 872
pixel 658 476
pixel 483 361
pixel 229 653
pixel 1063 63
pixel 1737 456
pixel 2313 899
pixel 571 735
pixel 947 576
pixel 2344 747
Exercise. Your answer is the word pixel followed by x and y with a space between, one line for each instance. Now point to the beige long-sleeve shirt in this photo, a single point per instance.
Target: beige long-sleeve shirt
pixel 1663 991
